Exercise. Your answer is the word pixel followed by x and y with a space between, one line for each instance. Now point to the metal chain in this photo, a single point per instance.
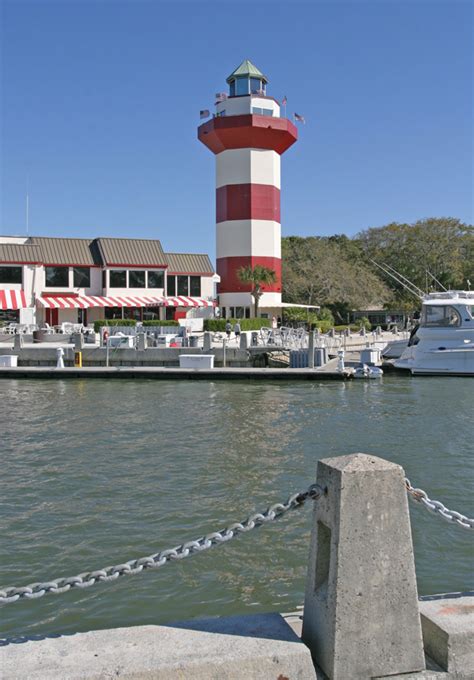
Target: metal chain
pixel 89 578
pixel 437 508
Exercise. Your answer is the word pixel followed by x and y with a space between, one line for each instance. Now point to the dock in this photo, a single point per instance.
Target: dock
pixel 160 373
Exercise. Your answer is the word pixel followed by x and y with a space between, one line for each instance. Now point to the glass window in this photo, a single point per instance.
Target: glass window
pixel 82 277
pixel 239 312
pixel 11 275
pixel 256 85
pixel 183 285
pixel 57 276
pixel 104 279
pixel 232 89
pixel 247 312
pixel 136 279
pixel 118 278
pixel 471 311
pixel 171 285
pixel 438 315
pixel 267 112
pixel 242 86
pixel 9 316
pixel 156 279
pixel 113 312
pixel 195 286
pixel 257 110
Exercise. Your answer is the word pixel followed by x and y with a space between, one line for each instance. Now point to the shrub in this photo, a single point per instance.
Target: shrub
pixel 216 325
pixel 157 322
pixel 113 322
pixel 363 322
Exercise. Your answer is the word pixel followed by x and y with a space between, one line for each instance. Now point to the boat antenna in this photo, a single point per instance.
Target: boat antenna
pixel 411 288
pixel 408 282
pixel 436 281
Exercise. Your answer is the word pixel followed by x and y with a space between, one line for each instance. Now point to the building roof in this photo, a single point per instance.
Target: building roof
pixel 131 252
pixel 246 68
pixel 19 253
pixel 64 251
pixel 187 263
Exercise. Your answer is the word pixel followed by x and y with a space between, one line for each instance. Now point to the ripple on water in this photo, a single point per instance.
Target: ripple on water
pixel 99 472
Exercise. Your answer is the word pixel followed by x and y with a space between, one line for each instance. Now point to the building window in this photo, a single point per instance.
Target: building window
pixel 113 312
pixel 104 278
pixel 118 278
pixel 82 277
pixel 57 277
pixel 11 275
pixel 195 286
pixel 171 285
pixel 9 316
pixel 183 288
pixel 156 279
pixel 136 279
pixel 232 89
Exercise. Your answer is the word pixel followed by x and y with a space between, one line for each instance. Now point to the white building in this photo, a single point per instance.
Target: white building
pixel 56 280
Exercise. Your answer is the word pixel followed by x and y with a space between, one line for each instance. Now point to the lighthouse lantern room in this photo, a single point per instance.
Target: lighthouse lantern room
pixel 247 136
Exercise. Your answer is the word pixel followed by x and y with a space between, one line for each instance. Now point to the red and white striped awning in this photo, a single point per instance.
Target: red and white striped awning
pixel 12 299
pixel 85 301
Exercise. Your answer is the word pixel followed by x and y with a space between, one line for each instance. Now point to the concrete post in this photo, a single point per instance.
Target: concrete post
pixel 17 341
pixel 141 342
pixel 207 342
pixel 311 349
pixel 361 617
pixel 78 340
pixel 243 341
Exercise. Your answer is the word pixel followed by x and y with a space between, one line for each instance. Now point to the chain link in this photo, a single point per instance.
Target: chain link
pixel 437 508
pixel 89 578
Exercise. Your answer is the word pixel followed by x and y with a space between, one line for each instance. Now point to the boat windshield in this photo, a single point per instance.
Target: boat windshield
pixel 440 315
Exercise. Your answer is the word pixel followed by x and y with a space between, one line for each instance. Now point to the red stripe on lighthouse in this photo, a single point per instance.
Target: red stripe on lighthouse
pixel 227 268
pixel 247 201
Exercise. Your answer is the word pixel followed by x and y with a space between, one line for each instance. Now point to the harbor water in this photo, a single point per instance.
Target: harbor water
pixel 96 473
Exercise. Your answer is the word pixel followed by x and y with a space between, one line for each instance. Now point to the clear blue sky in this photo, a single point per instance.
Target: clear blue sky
pixel 100 104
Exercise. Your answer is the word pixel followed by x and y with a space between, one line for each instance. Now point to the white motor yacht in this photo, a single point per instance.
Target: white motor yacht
pixel 443 343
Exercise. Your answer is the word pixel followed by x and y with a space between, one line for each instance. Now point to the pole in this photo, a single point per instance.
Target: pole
pixel 223 351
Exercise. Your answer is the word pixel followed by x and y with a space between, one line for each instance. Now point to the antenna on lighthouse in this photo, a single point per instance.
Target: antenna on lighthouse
pixel 27 208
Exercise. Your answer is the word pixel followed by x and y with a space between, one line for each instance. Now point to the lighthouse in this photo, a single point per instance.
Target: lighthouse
pixel 247 136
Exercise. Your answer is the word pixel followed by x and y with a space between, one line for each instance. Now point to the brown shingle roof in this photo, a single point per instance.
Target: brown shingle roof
pixel 64 250
pixel 188 263
pixel 19 253
pixel 132 252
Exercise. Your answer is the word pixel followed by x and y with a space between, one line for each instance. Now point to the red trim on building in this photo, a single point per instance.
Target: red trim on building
pixel 247 131
pixel 136 266
pixel 54 264
pixel 247 201
pixel 227 268
pixel 18 261
pixel 190 273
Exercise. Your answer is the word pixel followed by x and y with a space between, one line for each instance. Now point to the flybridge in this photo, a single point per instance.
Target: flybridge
pixel 450 295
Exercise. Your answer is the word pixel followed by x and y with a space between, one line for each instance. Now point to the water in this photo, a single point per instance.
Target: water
pixel 96 472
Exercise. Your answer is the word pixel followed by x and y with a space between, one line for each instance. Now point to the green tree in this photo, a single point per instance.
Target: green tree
pixel 441 246
pixel 257 277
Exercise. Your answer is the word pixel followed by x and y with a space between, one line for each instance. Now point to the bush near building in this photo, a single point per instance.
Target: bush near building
pixel 113 322
pixel 218 325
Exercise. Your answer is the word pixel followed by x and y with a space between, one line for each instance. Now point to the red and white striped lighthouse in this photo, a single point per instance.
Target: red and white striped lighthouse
pixel 248 137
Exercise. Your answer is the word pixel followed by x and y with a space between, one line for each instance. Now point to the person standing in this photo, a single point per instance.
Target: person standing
pixel 228 329
pixel 237 329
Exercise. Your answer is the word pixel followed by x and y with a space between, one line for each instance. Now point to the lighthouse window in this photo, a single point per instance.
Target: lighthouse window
pixel 256 86
pixel 262 112
pixel 232 89
pixel 241 86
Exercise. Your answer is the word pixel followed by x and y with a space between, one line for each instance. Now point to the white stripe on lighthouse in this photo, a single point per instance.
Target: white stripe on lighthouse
pixel 248 237
pixel 248 166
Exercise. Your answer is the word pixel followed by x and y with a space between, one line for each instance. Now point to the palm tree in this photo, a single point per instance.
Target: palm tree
pixel 257 277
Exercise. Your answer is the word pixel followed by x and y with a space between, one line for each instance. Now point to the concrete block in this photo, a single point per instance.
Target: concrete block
pixel 448 632
pixel 207 342
pixel 78 341
pixel 361 617
pixel 258 647
pixel 311 349
pixel 141 342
